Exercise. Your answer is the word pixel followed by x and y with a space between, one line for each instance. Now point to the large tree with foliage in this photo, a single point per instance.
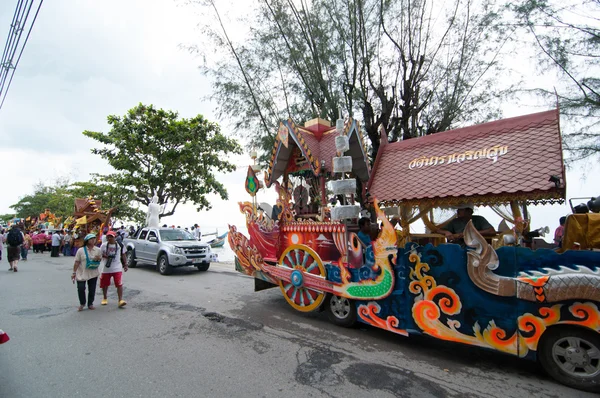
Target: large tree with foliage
pixel 157 153
pixel 55 197
pixel 567 37
pixel 413 67
pixel 60 197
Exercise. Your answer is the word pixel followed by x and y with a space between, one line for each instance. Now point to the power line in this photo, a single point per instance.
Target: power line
pixel 11 42
pixel 14 67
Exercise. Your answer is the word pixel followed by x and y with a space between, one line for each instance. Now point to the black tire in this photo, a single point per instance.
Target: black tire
pixel 203 266
pixel 563 348
pixel 131 263
pixel 163 265
pixel 341 311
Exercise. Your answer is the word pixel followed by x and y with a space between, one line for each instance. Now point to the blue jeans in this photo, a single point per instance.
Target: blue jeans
pixel 67 249
pixel 24 252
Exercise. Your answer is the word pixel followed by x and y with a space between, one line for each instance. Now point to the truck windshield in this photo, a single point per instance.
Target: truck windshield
pixel 175 234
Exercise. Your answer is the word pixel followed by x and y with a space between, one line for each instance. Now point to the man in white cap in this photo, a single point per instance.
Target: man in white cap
pixel 455 228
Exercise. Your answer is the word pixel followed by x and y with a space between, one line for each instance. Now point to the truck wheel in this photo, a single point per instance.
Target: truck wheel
pixel 203 266
pixel 341 311
pixel 572 356
pixel 163 265
pixel 131 263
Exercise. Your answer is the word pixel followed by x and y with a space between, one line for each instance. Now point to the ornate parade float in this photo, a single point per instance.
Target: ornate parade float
pixel 491 292
pixel 88 217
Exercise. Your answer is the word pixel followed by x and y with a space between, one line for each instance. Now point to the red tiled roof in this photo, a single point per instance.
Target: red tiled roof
pixel 528 151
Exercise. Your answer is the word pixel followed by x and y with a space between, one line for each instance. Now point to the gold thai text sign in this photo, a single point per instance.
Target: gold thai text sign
pixel 492 153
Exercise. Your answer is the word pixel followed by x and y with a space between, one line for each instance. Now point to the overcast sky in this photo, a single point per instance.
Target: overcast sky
pixel 89 59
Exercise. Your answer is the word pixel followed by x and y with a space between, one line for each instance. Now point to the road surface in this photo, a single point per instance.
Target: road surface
pixel 208 334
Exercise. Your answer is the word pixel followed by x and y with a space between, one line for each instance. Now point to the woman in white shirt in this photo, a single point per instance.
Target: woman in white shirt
pixel 85 270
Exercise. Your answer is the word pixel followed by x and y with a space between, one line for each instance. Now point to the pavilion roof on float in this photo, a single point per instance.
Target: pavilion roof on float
pixel 516 159
pixel 91 209
pixel 312 147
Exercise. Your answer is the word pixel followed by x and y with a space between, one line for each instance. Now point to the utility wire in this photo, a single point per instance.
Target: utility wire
pixel 14 36
pixel 14 67
pixel 11 40
pixel 11 31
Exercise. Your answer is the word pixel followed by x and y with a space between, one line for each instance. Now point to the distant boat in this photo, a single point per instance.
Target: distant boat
pixel 219 241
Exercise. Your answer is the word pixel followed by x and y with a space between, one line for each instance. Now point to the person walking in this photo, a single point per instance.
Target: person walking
pixel 56 240
pixel 27 242
pixel 85 270
pixel 114 261
pixel 196 232
pixel 1 242
pixel 67 243
pixel 14 240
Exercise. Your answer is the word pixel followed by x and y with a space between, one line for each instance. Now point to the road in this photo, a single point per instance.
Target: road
pixel 208 334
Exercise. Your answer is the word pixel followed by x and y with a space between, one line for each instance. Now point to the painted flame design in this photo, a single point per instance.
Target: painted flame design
pixel 434 300
pixel 368 313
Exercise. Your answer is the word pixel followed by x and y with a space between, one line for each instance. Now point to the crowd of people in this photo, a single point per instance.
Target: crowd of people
pixel 106 261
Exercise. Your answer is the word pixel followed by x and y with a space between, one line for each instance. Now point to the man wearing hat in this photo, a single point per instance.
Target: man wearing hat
pixel 455 228
pixel 115 262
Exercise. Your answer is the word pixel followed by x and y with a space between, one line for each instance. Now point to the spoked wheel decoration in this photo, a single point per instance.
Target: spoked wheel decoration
pixel 301 259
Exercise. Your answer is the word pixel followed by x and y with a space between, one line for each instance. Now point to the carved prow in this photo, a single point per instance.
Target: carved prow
pixel 482 261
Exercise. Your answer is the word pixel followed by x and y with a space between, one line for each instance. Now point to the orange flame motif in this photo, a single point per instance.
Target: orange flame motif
pixel 368 313
pixel 433 300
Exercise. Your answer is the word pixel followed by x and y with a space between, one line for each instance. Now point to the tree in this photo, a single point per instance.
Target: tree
pixel 60 199
pixel 567 36
pixel 7 217
pixel 55 197
pixel 156 153
pixel 413 67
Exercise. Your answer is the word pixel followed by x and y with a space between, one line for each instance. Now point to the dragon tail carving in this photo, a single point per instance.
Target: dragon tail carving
pixel 547 285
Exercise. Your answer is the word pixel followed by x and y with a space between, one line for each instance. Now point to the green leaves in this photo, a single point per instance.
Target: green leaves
pixel 567 38
pixel 414 68
pixel 156 153
pixel 60 199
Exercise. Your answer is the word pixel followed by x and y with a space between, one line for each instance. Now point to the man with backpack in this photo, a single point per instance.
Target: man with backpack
pixel 14 240
pixel 114 263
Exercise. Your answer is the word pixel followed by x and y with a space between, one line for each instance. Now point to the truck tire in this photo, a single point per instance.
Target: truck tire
pixel 341 311
pixel 163 265
pixel 131 263
pixel 203 266
pixel 571 356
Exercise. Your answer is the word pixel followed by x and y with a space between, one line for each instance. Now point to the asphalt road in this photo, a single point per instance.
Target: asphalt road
pixel 208 334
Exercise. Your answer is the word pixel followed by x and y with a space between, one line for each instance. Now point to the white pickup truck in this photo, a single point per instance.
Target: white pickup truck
pixel 167 248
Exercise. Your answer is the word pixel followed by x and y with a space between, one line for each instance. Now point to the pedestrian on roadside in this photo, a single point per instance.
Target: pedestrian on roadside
pixel 120 237
pixel 48 243
pixel 114 262
pixel 27 242
pixel 56 240
pixel 14 240
pixel 67 243
pixel 1 242
pixel 196 232
pixel 85 269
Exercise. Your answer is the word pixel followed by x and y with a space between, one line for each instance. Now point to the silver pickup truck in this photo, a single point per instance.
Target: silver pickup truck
pixel 167 248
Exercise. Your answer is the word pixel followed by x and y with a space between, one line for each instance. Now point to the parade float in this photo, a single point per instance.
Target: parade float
pixel 88 217
pixel 492 292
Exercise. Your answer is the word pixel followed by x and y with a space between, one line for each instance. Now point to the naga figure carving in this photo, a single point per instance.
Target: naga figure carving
pixel 547 285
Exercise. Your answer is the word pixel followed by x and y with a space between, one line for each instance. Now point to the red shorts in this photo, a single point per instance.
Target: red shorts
pixel 105 279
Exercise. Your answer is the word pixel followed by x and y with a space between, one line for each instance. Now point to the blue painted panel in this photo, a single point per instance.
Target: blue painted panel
pixel 448 266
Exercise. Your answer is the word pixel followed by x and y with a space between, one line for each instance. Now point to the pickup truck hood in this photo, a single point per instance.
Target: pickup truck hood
pixel 186 243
